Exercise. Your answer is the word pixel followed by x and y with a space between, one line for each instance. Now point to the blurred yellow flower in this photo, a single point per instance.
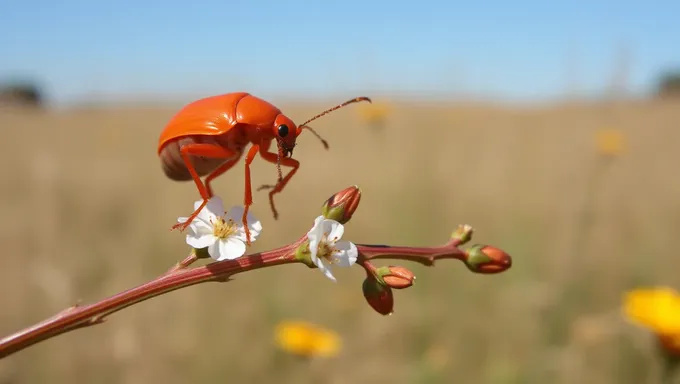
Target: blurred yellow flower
pixel 610 142
pixel 657 309
pixel 374 113
pixel 437 356
pixel 301 338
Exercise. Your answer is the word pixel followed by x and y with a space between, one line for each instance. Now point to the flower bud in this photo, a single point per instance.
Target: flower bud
pixel 341 206
pixel 378 296
pixel 396 277
pixel 487 259
pixel 462 234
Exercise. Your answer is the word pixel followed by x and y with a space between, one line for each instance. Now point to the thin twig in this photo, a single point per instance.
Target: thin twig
pixel 180 277
pixel 184 264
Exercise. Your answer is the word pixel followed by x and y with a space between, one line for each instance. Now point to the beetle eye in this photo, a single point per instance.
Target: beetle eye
pixel 283 130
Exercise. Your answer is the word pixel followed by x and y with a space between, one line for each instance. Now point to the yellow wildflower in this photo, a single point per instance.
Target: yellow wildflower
pixel 374 113
pixel 301 338
pixel 610 142
pixel 657 309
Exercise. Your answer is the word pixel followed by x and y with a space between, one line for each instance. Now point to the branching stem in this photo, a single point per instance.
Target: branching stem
pixel 180 276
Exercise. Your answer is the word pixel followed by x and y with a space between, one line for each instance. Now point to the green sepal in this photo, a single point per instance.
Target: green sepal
pixel 475 257
pixel 380 272
pixel 335 213
pixel 303 255
pixel 201 253
pixel 462 234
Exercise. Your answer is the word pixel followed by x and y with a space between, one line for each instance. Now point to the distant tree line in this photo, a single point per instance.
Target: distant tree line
pixel 23 93
pixel 669 84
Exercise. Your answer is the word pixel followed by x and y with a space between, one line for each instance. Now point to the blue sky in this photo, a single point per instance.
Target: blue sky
pixel 517 49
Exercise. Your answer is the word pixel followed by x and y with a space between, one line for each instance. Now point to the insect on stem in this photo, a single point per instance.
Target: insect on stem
pixel 324 142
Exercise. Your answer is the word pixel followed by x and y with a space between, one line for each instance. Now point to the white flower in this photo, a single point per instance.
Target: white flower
pixel 325 247
pixel 221 232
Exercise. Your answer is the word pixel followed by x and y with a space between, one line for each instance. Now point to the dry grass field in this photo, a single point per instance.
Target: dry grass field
pixel 87 213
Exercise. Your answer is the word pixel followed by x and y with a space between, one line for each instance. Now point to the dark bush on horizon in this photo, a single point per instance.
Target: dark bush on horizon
pixel 21 94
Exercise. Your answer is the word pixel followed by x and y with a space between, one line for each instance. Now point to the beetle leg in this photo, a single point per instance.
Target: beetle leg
pixel 288 162
pixel 248 198
pixel 205 150
pixel 218 171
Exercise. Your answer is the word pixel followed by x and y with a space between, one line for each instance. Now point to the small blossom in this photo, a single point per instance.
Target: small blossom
pixel 305 339
pixel 326 250
pixel 221 232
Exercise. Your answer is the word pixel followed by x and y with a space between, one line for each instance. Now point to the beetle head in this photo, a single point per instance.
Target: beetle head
pixel 285 132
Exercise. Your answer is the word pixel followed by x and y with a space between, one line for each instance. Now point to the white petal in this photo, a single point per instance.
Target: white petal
pixel 254 225
pixel 236 214
pixel 348 253
pixel 197 204
pixel 214 250
pixel 325 270
pixel 198 228
pixel 335 230
pixel 201 241
pixel 197 221
pixel 240 234
pixel 314 235
pixel 230 249
pixel 215 206
pixel 206 217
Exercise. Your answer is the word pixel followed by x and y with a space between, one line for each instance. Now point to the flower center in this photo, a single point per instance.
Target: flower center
pixel 327 249
pixel 223 228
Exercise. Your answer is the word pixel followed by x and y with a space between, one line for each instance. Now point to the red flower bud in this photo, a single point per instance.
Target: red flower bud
pixel 396 277
pixel 487 259
pixel 341 206
pixel 378 296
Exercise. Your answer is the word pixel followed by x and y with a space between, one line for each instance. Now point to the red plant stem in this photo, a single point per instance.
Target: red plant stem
pixel 179 277
pixel 425 255
pixel 83 316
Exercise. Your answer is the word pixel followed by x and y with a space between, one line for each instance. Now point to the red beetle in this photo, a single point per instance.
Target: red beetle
pixel 208 137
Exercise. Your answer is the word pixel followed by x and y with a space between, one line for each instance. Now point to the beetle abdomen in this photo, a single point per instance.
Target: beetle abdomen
pixel 174 166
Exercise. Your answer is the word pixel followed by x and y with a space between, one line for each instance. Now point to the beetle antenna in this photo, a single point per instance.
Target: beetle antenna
pixel 324 142
pixel 357 99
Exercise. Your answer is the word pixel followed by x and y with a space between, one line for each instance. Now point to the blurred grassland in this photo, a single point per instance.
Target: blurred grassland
pixel 87 212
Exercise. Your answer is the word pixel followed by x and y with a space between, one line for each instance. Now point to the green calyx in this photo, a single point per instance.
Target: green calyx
pixel 201 253
pixel 476 257
pixel 462 234
pixel 334 213
pixel 303 255
pixel 381 272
